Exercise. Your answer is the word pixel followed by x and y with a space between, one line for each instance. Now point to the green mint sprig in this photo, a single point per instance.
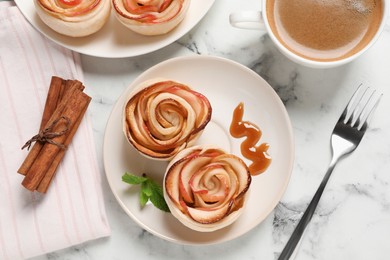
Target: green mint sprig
pixel 150 190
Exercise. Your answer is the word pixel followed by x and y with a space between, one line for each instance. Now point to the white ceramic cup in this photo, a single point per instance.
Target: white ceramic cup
pixel 258 20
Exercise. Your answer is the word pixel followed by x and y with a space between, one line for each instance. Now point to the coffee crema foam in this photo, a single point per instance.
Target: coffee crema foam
pixel 324 30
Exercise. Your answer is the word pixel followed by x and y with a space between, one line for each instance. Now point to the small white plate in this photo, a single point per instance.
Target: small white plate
pixel 225 83
pixel 114 40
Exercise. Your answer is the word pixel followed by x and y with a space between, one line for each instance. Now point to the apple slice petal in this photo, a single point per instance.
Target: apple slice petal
pixel 207 215
pixel 237 166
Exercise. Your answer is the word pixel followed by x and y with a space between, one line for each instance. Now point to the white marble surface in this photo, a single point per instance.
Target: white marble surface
pixel 353 218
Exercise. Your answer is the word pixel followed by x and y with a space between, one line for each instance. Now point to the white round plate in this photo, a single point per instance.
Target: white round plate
pixel 225 83
pixel 114 40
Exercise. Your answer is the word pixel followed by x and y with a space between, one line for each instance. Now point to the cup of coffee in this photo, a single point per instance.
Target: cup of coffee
pixel 316 33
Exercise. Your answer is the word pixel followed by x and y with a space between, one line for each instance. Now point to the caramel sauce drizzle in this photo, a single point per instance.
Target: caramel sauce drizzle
pixel 257 154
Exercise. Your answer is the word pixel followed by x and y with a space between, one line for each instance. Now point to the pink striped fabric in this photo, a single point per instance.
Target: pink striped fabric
pixel 72 211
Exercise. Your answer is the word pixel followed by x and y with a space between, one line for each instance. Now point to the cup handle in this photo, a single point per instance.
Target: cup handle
pixel 247 20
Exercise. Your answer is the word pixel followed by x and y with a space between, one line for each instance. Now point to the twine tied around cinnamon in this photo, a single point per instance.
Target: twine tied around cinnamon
pixel 46 135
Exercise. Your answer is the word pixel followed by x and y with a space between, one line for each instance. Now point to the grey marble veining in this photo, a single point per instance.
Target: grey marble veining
pixel 353 218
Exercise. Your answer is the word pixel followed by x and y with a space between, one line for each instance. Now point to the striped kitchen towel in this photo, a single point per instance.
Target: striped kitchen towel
pixel 72 211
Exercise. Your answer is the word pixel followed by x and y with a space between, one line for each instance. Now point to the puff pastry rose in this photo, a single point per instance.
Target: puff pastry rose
pixel 162 117
pixel 206 188
pixel 74 18
pixel 150 17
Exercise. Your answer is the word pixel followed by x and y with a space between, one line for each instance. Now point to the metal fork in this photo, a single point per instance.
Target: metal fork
pixel 346 136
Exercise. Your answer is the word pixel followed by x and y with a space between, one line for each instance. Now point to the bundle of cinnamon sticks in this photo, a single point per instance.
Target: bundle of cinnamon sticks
pixel 65 107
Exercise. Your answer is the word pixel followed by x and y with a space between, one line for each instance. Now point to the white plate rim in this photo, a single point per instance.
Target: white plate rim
pixel 289 133
pixel 196 12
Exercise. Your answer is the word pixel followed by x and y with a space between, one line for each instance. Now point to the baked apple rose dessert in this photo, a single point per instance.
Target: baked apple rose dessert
pixel 206 188
pixel 162 117
pixel 74 18
pixel 150 17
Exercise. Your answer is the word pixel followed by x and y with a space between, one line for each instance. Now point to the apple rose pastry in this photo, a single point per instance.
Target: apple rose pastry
pixel 150 17
pixel 74 18
pixel 162 117
pixel 206 188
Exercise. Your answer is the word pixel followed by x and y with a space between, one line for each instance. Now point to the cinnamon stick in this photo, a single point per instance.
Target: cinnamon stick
pixel 50 173
pixel 60 91
pixel 52 100
pixel 71 108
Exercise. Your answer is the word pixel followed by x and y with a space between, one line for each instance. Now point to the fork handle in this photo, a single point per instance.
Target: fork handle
pixel 307 216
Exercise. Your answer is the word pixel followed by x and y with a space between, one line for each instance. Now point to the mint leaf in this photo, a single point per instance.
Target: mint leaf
pixel 133 179
pixel 159 202
pixel 155 187
pixel 157 197
pixel 150 190
pixel 143 198
pixel 146 188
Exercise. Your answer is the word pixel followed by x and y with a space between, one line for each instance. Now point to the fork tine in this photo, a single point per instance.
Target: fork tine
pixel 360 108
pixel 348 111
pixel 366 117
